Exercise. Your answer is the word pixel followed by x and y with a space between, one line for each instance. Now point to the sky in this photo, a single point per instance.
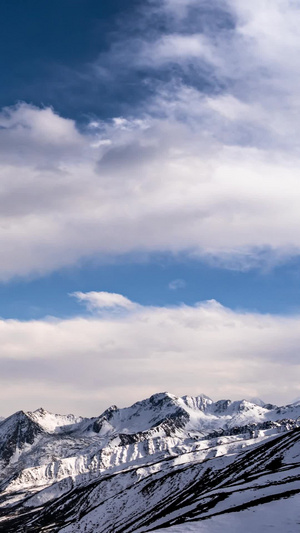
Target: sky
pixel 149 201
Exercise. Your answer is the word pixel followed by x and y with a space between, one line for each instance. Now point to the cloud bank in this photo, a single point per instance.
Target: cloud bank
pixel 86 363
pixel 207 164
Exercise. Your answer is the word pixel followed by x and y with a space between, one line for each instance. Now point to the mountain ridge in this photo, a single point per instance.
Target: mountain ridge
pixel 51 462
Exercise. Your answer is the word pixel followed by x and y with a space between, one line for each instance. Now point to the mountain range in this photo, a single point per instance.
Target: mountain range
pixel 167 463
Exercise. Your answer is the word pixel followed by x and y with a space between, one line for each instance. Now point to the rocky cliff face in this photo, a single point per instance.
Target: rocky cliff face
pixel 163 461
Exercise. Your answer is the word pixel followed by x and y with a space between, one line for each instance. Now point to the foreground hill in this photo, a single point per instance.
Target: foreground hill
pixel 165 463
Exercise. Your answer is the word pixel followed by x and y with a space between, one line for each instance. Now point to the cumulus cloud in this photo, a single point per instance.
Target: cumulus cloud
pixel 83 364
pixel 208 165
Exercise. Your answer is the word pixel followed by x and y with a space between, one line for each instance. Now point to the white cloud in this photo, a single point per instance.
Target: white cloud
pixel 168 187
pixel 31 136
pixel 208 166
pixel 176 47
pixel 84 364
pixel 103 300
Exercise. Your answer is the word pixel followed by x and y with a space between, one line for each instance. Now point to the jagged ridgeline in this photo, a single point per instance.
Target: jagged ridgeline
pixel 163 462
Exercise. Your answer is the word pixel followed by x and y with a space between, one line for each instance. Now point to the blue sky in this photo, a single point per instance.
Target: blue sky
pixel 149 150
pixel 162 280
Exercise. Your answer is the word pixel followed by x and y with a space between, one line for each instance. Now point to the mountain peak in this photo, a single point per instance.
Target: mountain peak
pixel 53 422
pixel 201 402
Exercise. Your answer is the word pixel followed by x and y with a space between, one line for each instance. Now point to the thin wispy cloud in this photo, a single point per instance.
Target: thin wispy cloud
pixel 176 284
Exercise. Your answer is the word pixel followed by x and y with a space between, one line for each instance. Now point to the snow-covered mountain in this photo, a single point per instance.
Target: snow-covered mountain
pixel 165 462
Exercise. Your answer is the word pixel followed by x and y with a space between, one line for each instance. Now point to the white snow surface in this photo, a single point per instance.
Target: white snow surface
pixel 281 516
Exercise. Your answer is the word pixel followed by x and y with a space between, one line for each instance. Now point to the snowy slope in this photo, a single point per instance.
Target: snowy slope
pixel 181 459
pixel 280 516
